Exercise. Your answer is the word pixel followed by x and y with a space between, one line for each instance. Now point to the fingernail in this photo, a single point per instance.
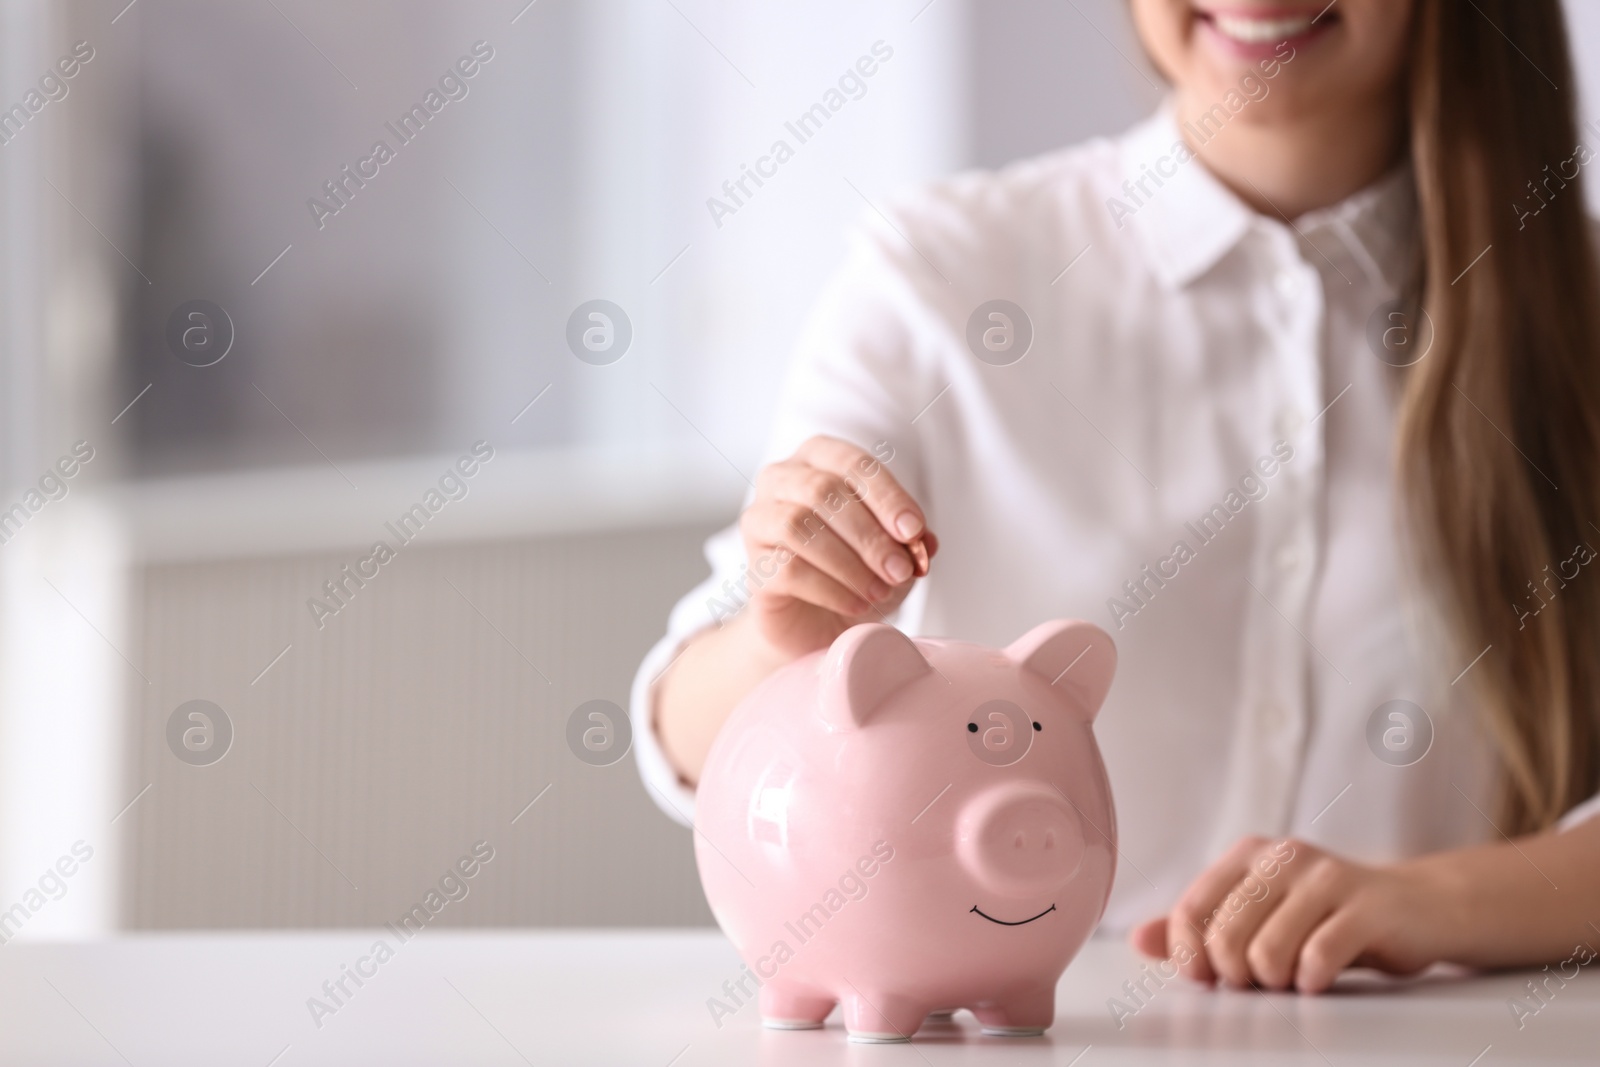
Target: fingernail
pixel 860 607
pixel 898 566
pixel 907 524
pixel 877 589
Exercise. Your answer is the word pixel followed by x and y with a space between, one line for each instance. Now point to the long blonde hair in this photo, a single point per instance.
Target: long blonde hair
pixel 1499 436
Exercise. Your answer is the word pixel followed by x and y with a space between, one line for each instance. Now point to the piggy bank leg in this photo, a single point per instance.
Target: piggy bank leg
pixel 786 1008
pixel 880 1018
pixel 1026 1014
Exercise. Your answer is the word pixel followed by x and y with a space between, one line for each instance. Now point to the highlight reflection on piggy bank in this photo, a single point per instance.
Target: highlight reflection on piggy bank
pixel 909 827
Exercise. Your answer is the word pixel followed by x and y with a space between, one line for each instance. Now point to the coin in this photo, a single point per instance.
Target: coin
pixel 919 556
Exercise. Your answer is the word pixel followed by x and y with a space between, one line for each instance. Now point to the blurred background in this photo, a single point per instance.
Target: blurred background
pixel 270 343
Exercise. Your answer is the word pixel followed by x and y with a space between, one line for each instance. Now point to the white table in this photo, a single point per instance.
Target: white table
pixel 639 997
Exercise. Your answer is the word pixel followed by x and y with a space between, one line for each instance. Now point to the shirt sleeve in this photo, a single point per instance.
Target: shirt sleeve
pixel 855 376
pixel 1589 809
pixel 698 610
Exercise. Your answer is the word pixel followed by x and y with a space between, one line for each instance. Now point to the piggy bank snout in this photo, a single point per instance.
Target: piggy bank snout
pixel 1020 840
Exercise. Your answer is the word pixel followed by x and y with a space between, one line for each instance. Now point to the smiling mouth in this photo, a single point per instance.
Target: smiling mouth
pixel 1022 922
pixel 1267 29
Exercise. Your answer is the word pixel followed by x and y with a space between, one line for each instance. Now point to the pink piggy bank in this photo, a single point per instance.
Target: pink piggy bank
pixel 910 827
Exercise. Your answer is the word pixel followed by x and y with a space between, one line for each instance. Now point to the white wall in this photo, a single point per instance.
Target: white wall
pixel 1583 23
pixel 63 606
pixel 667 120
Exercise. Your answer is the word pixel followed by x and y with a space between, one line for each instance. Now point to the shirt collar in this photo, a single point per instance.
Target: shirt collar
pixel 1187 220
pixel 1376 227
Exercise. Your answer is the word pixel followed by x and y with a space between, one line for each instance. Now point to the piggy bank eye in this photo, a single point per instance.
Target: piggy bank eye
pixel 1036 726
pixel 998 733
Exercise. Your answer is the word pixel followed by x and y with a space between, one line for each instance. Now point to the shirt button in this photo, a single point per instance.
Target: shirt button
pixel 1287 558
pixel 1289 422
pixel 1286 284
pixel 1272 718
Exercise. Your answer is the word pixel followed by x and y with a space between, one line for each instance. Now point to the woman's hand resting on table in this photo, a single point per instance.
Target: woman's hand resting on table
pixel 1283 914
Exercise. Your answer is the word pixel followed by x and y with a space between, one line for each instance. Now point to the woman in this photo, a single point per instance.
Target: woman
pixel 1297 379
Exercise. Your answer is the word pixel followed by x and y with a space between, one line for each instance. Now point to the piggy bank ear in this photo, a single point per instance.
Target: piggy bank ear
pixel 1070 654
pixel 865 666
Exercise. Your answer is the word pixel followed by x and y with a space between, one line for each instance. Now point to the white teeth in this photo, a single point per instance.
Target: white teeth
pixel 1261 31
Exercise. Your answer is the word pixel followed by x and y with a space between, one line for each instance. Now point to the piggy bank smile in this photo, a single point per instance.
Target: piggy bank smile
pixel 1019 922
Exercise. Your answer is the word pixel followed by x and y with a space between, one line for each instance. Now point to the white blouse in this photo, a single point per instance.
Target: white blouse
pixel 1194 451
